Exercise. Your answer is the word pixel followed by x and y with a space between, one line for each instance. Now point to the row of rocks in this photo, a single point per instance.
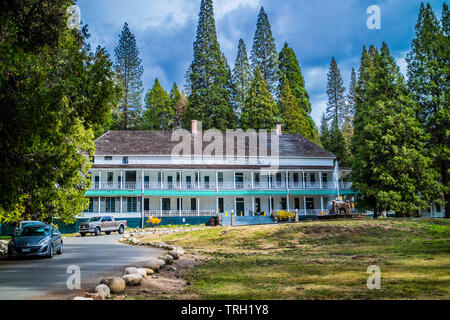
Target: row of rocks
pixel 132 276
pixel 161 231
pixel 4 247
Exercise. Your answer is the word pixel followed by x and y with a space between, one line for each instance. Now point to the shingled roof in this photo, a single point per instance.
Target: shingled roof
pixel 159 143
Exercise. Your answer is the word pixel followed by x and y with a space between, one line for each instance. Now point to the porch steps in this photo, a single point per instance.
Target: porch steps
pixel 247 220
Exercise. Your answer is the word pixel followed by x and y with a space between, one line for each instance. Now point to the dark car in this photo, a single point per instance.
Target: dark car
pixel 41 240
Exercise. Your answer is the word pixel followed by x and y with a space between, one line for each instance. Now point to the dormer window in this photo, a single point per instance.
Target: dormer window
pixel 108 158
pixel 125 160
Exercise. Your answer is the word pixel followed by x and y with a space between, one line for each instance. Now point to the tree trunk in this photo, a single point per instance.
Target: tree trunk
pixel 445 184
pixel 375 214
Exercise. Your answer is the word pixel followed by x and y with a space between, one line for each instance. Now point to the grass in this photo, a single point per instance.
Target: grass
pixel 320 260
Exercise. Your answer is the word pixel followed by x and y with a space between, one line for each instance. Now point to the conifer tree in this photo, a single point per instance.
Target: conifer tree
pixel 335 91
pixel 293 115
pixel 347 127
pixel 389 168
pixel 175 95
pixel 324 131
pixel 290 68
pixel 241 77
pixel 264 52
pixel 260 110
pixel 129 72
pixel 428 65
pixel 180 108
pixel 159 109
pixel 208 77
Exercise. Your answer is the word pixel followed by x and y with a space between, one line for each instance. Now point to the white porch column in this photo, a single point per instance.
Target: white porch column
pixel 121 179
pixel 199 180
pixel 304 204
pixel 234 179
pixel 252 173
pixel 217 204
pixel 181 179
pixel 99 204
pixel 162 179
pixel 235 206
pixel 270 180
pixel 100 179
pixel 217 182
pixel 160 206
pixel 287 202
pixel 320 179
pixel 287 179
pixel 198 206
pixel 142 213
pixel 253 205
pixel 142 179
pixel 303 180
pixel 270 205
pixel 321 203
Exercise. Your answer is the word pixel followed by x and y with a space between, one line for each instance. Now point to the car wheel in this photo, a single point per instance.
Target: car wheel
pixel 108 232
pixel 83 234
pixel 50 251
pixel 121 230
pixel 60 251
pixel 97 231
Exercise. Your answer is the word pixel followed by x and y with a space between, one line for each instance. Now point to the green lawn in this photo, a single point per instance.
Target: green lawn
pixel 320 260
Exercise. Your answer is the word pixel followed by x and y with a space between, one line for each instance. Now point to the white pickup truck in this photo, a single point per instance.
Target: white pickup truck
pixel 106 224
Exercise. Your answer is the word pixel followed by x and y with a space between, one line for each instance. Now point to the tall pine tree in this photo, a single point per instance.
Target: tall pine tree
pixel 208 78
pixel 129 72
pixel 289 67
pixel 242 77
pixel 264 52
pixel 260 110
pixel 347 126
pixel 160 111
pixel 389 168
pixel 428 79
pixel 293 115
pixel 335 92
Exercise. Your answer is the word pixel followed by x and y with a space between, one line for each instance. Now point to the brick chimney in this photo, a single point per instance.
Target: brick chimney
pixel 278 129
pixel 194 126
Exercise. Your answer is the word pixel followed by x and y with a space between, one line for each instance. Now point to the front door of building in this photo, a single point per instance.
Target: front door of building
pixel 240 206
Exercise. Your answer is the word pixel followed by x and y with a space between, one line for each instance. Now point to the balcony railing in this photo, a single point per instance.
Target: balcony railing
pixel 222 186
pixel 177 213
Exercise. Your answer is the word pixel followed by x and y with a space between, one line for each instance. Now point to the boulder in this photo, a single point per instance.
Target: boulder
pixel 130 270
pixel 132 279
pixel 151 264
pixel 142 272
pixel 180 250
pixel 115 284
pixel 172 269
pixel 102 289
pixel 82 298
pixel 95 296
pixel 169 259
pixel 149 271
pixel 162 263
pixel 174 254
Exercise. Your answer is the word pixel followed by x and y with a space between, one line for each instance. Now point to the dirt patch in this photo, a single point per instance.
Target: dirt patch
pixel 165 284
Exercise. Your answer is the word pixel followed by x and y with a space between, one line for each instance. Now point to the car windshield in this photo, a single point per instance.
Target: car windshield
pixel 34 231
pixel 94 219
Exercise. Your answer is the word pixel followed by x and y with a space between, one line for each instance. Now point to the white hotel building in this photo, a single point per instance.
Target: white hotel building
pixel 135 174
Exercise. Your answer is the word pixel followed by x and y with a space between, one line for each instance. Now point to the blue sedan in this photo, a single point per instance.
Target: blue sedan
pixel 40 240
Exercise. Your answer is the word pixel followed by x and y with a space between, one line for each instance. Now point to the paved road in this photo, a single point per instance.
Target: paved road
pixel 96 257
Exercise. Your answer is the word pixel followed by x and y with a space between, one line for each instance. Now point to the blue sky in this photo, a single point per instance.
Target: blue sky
pixel 316 29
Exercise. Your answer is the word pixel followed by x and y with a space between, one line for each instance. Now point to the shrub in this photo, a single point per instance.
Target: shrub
pixel 285 215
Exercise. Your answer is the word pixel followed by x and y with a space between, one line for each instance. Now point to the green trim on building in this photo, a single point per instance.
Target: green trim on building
pixel 318 192
pixel 113 193
pixel 253 193
pixel 179 193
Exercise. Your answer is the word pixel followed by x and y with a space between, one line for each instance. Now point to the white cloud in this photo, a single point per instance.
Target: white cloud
pixel 223 7
pixel 144 14
pixel 401 62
